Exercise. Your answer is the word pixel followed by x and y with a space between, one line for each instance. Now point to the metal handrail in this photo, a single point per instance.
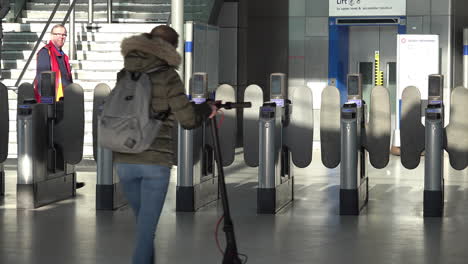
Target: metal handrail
pixel 19 6
pixel 33 52
pixel 215 11
pixel 168 21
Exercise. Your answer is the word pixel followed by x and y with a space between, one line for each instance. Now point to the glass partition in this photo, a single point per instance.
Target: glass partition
pixel 198 10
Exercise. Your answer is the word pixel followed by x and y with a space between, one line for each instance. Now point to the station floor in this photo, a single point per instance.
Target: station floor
pixel 390 230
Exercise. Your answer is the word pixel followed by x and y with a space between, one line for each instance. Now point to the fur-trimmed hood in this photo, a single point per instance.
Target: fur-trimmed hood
pixel 142 46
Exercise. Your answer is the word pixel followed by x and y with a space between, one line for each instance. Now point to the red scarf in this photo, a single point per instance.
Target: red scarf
pixel 54 66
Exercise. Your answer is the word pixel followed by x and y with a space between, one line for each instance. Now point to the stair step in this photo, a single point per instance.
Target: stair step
pixel 101 7
pixel 80 36
pixel 105 1
pixel 101 75
pixel 32 16
pixel 103 37
pixel 87 85
pixel 20 36
pixel 80 27
pixel 96 20
pixel 76 65
pixel 81 45
pixel 48 7
pixel 66 2
pixel 80 55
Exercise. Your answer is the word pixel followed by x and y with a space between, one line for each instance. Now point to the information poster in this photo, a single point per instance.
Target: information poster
pixel 417 58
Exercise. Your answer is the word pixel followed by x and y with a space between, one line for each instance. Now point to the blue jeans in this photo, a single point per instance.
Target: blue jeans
pixel 145 187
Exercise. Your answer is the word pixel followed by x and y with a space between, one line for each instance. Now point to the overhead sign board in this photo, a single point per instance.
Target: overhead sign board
pixel 343 8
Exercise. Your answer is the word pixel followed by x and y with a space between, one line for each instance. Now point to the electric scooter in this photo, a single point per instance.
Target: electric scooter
pixel 231 256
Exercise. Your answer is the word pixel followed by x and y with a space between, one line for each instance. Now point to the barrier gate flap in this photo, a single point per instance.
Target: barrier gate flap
pixel 101 91
pixel 299 134
pixel 228 128
pixel 330 127
pixel 457 129
pixel 412 132
pixel 25 91
pixel 378 129
pixel 254 94
pixel 70 131
pixel 4 122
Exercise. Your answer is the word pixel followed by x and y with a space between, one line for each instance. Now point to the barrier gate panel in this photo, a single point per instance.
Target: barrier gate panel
pixel 228 127
pixel 70 130
pixel 330 127
pixel 457 129
pixel 101 91
pixel 299 133
pixel 378 129
pixel 411 129
pixel 4 129
pixel 25 92
pixel 254 94
pixel 4 122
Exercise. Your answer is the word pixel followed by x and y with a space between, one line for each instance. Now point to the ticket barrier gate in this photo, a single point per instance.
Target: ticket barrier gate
pixel 275 138
pixel 50 142
pixel 4 129
pixel 197 182
pixel 347 138
pixel 109 193
pixel 433 138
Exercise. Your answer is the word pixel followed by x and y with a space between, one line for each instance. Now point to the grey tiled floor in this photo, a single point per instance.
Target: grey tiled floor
pixel 390 230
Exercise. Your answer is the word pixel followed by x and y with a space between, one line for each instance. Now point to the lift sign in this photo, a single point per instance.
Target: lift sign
pixel 339 8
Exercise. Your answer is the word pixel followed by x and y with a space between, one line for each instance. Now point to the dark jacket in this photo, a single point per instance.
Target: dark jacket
pixel 142 54
pixel 49 58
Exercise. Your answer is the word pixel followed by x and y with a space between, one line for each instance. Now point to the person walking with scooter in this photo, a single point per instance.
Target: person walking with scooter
pixel 145 176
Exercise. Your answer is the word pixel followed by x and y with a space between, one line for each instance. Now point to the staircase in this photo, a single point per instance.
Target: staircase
pixel 98 60
pixel 98 50
pixel 123 11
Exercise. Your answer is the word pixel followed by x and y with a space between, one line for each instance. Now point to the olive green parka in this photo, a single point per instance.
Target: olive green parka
pixel 142 53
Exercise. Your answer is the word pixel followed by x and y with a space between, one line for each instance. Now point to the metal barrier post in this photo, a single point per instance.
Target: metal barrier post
pixel 349 148
pixel 2 180
pixel 433 162
pixel 465 57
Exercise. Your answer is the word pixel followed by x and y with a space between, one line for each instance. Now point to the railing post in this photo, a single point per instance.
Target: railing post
pixel 109 11
pixel 177 19
pixel 71 34
pixel 90 12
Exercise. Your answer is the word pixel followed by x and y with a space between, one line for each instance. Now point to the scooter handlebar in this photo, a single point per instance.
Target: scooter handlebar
pixel 231 105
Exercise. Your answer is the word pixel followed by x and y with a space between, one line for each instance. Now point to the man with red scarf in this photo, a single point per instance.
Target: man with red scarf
pixel 52 58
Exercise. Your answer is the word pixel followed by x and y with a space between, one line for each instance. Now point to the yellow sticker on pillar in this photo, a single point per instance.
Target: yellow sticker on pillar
pixel 378 74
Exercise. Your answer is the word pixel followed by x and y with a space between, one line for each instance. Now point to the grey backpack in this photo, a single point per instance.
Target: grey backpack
pixel 127 123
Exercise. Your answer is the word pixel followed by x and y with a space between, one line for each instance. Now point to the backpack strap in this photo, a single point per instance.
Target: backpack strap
pixel 155 69
pixel 160 115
